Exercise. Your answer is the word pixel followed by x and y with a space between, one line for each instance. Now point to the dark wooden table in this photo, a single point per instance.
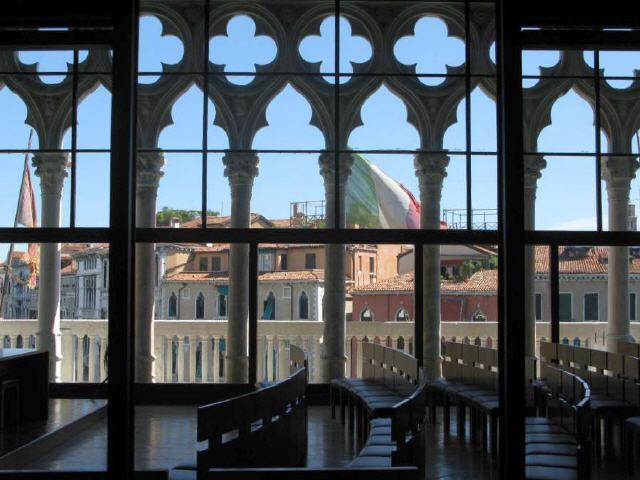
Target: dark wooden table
pixel 31 368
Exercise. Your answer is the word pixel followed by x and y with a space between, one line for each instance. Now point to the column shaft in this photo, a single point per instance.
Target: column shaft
pixel 533 165
pixel 619 173
pixel 431 170
pixel 52 169
pixel 149 172
pixel 241 169
pixel 333 308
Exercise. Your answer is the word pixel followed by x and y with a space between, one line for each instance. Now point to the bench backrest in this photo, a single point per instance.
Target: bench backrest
pixel 392 367
pixel 567 402
pixel 471 364
pixel 606 372
pixel 297 360
pixel 265 428
pixel 407 422
pixel 629 348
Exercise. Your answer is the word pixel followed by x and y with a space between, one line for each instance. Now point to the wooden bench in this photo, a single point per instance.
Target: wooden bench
pixel 470 380
pixel 557 445
pixel 629 348
pixel 396 441
pixel 611 377
pixel 388 377
pixel 265 428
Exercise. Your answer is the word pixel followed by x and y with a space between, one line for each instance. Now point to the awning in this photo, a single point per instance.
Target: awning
pixel 223 289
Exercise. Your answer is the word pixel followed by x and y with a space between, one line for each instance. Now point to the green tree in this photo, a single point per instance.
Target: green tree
pixel 164 216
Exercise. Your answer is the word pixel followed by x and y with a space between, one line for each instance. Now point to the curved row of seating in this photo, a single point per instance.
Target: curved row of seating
pixel 388 377
pixel 470 381
pixel 388 407
pixel 557 441
pixel 614 380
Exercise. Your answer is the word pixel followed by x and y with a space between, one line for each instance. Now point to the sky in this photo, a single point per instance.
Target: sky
pixel 284 178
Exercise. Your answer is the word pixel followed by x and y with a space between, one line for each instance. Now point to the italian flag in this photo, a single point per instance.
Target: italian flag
pixel 375 200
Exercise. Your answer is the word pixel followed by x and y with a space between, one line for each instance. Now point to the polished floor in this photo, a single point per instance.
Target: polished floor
pixel 65 417
pixel 166 436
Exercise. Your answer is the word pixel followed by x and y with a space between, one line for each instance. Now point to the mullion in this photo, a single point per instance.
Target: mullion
pixel 205 113
pixel 596 65
pixel 74 138
pixel 467 101
pixel 308 151
pixel 336 115
pixel 314 151
pixel 302 73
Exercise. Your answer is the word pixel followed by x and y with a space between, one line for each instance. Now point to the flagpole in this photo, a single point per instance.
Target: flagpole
pixel 5 283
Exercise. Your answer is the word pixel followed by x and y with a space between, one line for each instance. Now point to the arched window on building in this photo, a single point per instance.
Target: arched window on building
pixel 366 315
pixel 222 305
pixel 402 315
pixel 269 307
pixel 200 306
pixel 303 306
pixel 173 305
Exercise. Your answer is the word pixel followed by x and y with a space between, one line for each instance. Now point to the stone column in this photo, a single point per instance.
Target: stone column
pixel 533 164
pixel 148 173
pixel 240 169
pixel 205 358
pixel 215 377
pixel 270 369
pixel 431 170
pixel 181 361
pixel 332 355
pixel 619 172
pixel 52 170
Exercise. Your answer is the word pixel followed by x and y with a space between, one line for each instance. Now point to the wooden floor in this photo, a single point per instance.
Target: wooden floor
pixel 166 437
pixel 66 418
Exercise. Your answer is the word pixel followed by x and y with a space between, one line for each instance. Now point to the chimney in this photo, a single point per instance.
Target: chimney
pixel 175 222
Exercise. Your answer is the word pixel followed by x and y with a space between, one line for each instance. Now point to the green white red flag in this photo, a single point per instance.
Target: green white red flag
pixel 375 200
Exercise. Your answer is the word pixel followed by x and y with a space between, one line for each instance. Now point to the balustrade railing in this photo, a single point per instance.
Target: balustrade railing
pixel 193 350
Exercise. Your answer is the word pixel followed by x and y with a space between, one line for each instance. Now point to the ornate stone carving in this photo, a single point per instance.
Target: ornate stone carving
pixel 149 169
pixel 240 167
pixel 431 167
pixel 533 166
pixel 52 170
pixel 327 167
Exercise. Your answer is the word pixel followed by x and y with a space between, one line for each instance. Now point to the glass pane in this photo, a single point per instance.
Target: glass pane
pixel 179 202
pixel 288 192
pixel 563 206
pixel 382 192
pixel 171 113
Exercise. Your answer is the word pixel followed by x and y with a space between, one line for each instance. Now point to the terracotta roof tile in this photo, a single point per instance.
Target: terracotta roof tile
pixel 288 276
pixel 481 281
pixel 580 260
pixel 224 221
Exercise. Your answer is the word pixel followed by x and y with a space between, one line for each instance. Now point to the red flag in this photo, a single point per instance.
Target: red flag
pixel 28 217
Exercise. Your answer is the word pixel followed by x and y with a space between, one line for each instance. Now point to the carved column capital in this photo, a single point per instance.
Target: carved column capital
pixel 431 168
pixel 619 171
pixel 149 169
pixel 533 166
pixel 51 167
pixel 328 167
pixel 240 167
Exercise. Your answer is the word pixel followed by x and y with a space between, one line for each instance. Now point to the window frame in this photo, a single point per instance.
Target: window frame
pixel 539 318
pixel 584 306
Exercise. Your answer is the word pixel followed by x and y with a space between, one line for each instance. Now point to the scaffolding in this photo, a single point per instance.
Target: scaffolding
pixel 481 218
pixel 307 214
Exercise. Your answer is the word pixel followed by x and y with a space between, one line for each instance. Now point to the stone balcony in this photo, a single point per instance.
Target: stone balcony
pixel 198 344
